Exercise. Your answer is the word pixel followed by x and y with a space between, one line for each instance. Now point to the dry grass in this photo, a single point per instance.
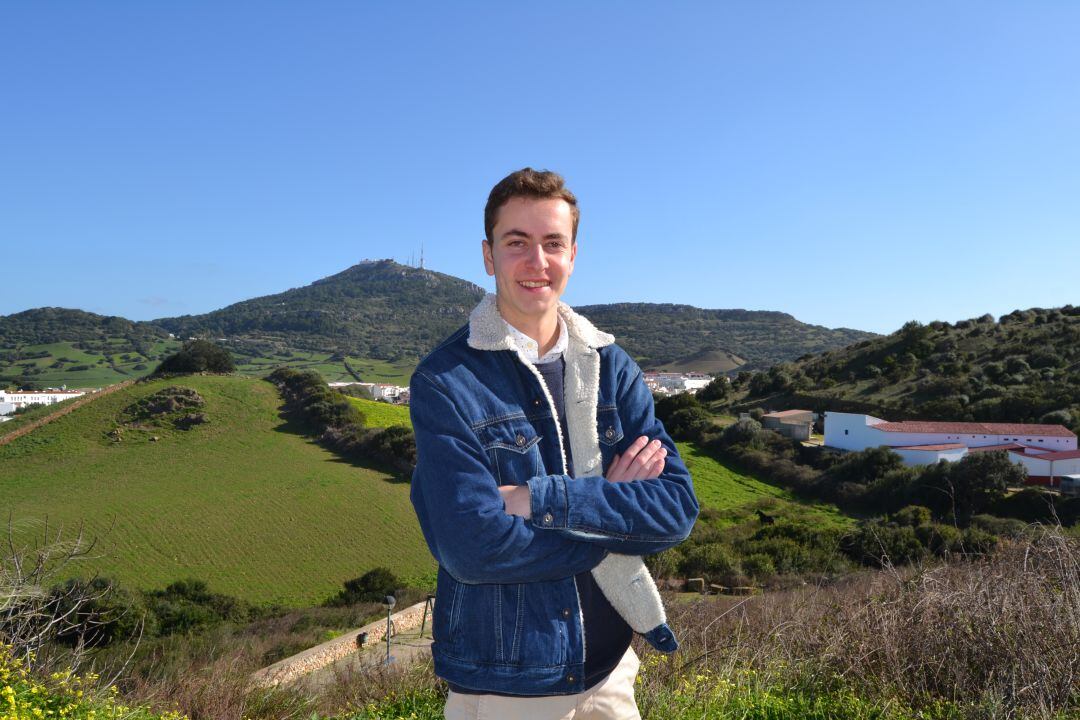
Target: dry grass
pixel 999 636
pixel 995 637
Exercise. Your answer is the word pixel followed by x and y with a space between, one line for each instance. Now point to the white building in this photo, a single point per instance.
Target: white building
pixel 1047 451
pixel 22 398
pixel 666 383
pixel 379 391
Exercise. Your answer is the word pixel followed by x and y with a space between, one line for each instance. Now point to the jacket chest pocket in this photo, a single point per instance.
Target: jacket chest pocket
pixel 609 431
pixel 513 450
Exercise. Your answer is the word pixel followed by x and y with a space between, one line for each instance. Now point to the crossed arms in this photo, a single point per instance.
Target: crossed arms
pixel 555 526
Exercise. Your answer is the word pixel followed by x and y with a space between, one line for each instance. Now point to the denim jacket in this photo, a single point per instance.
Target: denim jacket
pixel 507 615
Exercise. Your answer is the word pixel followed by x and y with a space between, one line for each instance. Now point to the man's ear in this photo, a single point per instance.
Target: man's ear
pixel 489 258
pixel 573 256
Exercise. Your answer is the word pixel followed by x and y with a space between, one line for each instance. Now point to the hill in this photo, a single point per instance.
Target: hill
pixel 373 322
pixel 1024 367
pixel 242 501
pixel 658 334
pixel 377 309
pixel 51 347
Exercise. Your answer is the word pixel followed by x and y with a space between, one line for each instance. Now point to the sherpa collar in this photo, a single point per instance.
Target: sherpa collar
pixel 488 330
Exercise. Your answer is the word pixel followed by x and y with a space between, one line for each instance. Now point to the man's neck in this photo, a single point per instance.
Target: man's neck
pixel 544 331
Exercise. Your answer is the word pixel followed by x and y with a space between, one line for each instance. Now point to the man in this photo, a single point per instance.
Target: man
pixel 542 473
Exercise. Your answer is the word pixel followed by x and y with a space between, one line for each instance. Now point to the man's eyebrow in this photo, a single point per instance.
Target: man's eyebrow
pixel 514 232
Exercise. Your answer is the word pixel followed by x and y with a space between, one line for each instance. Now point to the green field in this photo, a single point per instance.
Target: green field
pixel 59 366
pixel 736 494
pixel 242 502
pixel 379 414
pixel 67 365
pixel 246 503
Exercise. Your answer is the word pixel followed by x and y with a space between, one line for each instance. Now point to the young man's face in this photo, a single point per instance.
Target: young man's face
pixel 531 257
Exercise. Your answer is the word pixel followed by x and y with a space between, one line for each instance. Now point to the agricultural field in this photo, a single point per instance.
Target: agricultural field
pixel 736 494
pixel 114 360
pixel 380 414
pixel 62 363
pixel 333 368
pixel 243 501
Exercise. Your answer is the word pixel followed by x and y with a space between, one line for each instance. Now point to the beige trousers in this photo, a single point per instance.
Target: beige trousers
pixel 612 699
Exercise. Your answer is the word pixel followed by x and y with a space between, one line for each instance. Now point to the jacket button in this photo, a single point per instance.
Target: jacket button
pixel 548 519
pixel 609 433
pixel 566 612
pixel 536 402
pixel 570 678
pixel 520 440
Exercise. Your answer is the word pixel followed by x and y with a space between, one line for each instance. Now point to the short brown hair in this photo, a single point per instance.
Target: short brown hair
pixel 533 184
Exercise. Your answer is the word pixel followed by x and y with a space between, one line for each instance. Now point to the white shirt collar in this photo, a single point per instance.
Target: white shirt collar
pixel 528 347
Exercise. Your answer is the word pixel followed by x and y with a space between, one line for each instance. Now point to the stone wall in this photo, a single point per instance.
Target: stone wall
pixel 320 656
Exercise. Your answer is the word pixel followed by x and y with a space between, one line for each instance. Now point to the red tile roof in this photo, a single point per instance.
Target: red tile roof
pixel 1063 455
pixel 785 413
pixel 944 446
pixel 970 428
pixel 991 448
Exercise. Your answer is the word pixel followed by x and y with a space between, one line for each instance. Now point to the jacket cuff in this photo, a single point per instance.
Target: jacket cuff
pixel 547 500
pixel 661 638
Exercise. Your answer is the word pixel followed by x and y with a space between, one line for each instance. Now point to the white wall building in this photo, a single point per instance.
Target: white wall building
pixel 1047 451
pixel 379 391
pixel 22 398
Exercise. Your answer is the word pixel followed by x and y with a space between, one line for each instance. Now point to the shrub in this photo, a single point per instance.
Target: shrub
pixel 689 423
pixel 197 356
pixel 372 586
pixel 107 615
pixel 743 432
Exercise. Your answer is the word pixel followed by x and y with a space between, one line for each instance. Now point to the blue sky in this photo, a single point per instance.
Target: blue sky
pixel 854 164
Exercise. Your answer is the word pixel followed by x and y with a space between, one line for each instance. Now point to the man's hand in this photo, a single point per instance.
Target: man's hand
pixel 643 460
pixel 517 500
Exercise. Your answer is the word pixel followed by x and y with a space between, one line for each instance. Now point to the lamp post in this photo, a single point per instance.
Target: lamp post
pixel 389 601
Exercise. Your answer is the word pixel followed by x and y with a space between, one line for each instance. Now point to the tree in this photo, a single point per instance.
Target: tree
pixel 717 389
pixel 197 356
pixel 970 486
pixel 689 423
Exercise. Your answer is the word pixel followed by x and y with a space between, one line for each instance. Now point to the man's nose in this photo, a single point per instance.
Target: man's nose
pixel 536 257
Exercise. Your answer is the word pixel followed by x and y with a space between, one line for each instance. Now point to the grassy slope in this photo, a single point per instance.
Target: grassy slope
pixel 257 511
pixel 736 494
pixel 377 414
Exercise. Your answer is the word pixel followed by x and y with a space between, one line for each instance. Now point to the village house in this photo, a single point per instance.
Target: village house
pixel 1049 452
pixel 795 424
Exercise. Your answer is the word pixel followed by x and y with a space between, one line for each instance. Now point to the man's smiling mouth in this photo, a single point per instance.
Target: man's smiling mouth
pixel 534 283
